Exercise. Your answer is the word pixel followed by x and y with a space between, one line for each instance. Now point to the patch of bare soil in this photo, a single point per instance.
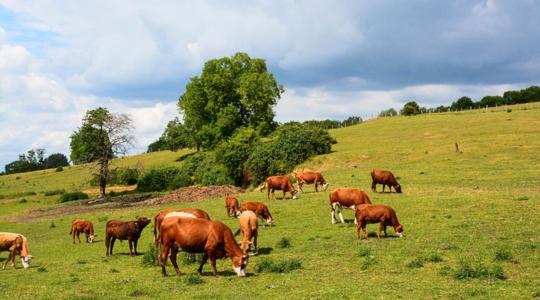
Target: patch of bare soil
pixel 186 194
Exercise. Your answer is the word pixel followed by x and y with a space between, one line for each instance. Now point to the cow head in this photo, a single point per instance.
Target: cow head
pixel 325 186
pixel 91 238
pixel 240 263
pixel 398 188
pixel 26 260
pixel 294 193
pixel 399 230
pixel 142 222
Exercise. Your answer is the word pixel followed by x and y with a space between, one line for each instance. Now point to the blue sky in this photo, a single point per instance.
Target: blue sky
pixel 334 58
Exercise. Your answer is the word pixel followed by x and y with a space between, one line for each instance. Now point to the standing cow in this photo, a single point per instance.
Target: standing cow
pixel 280 183
pixel 82 226
pixel 249 225
pixel 212 238
pixel 310 178
pixel 348 198
pixel 376 213
pixel 16 244
pixel 186 212
pixel 122 230
pixel 231 206
pixel 259 208
pixel 386 178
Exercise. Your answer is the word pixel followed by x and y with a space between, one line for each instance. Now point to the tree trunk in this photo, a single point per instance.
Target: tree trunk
pixel 103 176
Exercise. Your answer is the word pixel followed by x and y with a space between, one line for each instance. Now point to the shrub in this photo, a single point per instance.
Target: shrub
pixel 73 196
pixel 54 192
pixel 59 169
pixel 467 270
pixel 207 170
pixel 282 266
pixel 285 242
pixel 121 176
pixel 181 179
pixel 157 179
pixel 503 254
pixel 416 263
pixel 193 279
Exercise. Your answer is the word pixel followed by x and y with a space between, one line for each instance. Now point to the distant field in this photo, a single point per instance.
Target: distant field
pixel 478 207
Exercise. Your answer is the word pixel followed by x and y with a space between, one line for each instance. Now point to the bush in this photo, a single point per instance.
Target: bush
pixel 157 179
pixel 467 271
pixel 207 170
pixel 181 179
pixel 283 266
pixel 54 192
pixel 59 169
pixel 73 196
pixel 121 176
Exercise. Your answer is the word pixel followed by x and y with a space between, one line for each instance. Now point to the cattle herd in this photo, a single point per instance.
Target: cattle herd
pixel 192 231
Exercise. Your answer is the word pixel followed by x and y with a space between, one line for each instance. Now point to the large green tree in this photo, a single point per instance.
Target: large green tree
pixel 102 136
pixel 410 108
pixel 462 103
pixel 232 92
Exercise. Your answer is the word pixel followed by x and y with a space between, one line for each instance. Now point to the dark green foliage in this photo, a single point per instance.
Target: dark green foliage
pixel 59 169
pixel 207 170
pixel 159 145
pixel 193 279
pixel 73 196
pixel 289 146
pixel 462 103
pixel 56 160
pixel 530 94
pixel 32 160
pixel 120 176
pixel 416 263
pixel 232 92
pixel 267 265
pixel 54 192
pixel 234 152
pixel 176 136
pixel 410 108
pixel 503 254
pixel 86 144
pixel 435 257
pixel 468 270
pixel 367 262
pixel 362 252
pixel 284 242
pixel 157 179
pixel 388 113
pixel 150 257
pixel 490 101
pixel 181 179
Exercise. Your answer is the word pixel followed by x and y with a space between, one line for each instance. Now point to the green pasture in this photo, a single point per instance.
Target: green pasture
pixel 476 208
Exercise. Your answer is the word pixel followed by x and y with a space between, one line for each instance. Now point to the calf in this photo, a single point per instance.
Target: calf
pixel 16 244
pixel 280 183
pixel 122 230
pixel 186 212
pixel 249 226
pixel 259 208
pixel 82 226
pixel 232 206
pixel 348 198
pixel 386 178
pixel 310 178
pixel 376 213
pixel 212 238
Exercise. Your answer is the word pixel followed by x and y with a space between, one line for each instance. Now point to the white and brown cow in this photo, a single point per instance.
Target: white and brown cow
pixel 16 244
pixel 346 198
pixel 249 225
pixel 308 177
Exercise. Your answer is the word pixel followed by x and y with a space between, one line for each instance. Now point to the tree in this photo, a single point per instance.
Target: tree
pixel 56 160
pixel 388 113
pixel 462 103
pixel 491 101
pixel 102 136
pixel 31 161
pixel 231 92
pixel 410 108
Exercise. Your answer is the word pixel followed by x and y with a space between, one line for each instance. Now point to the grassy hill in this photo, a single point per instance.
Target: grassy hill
pixel 469 213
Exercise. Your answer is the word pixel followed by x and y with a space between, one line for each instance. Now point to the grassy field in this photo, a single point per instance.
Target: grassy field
pixel 468 214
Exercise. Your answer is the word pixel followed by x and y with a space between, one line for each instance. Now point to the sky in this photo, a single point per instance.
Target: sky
pixel 335 59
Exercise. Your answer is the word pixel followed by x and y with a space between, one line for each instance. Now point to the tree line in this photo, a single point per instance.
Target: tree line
pixel 527 95
pixel 35 159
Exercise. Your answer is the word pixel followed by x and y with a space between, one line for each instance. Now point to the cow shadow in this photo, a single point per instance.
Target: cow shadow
pixel 264 251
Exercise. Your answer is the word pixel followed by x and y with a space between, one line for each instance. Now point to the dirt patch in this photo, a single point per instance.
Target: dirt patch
pixel 116 189
pixel 186 194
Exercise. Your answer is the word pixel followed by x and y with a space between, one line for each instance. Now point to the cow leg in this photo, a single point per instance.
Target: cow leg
pixel 383 186
pixel 174 253
pixel 135 246
pixel 385 231
pixel 374 186
pixel 113 239
pixel 73 235
pixel 364 227
pixel 7 260
pixel 203 261
pixel 107 242
pixel 78 237
pixel 316 186
pixel 273 195
pixel 268 193
pixel 333 213
pixel 86 234
pixel 163 259
pixel 130 247
pixel 255 234
pixel 341 214
pixel 284 195
pixel 213 264
pixel 300 184
pixel 381 228
pixel 358 231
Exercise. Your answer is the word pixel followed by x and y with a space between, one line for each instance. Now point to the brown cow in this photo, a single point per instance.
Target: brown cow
pixel 188 212
pixel 249 226
pixel 124 230
pixel 16 244
pixel 310 178
pixel 212 238
pixel 231 206
pixel 259 208
pixel 376 213
pixel 386 178
pixel 82 226
pixel 348 198
pixel 280 183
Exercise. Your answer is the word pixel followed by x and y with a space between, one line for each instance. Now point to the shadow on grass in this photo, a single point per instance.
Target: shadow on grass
pixel 265 251
pixel 185 156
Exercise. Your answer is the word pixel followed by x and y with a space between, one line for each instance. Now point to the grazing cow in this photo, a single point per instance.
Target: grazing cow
pixel 386 178
pixel 16 244
pixel 376 213
pixel 259 208
pixel 212 238
pixel 186 212
pixel 124 230
pixel 310 178
pixel 348 198
pixel 249 226
pixel 82 226
pixel 231 206
pixel 280 183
